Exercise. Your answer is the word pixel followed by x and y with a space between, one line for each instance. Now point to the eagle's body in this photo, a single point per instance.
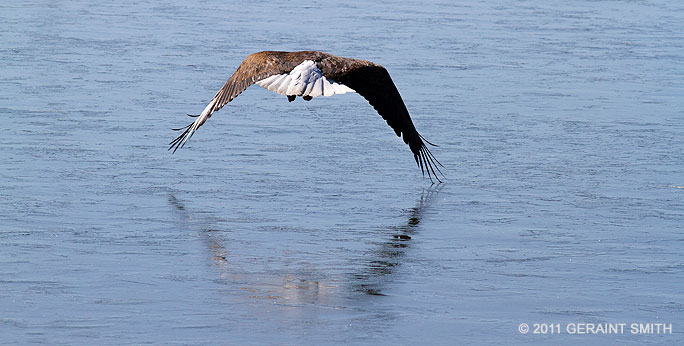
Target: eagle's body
pixel 310 74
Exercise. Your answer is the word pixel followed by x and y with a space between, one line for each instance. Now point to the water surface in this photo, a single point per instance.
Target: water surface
pixel 560 126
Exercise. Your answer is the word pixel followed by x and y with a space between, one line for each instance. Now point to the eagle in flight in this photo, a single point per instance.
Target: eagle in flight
pixel 310 74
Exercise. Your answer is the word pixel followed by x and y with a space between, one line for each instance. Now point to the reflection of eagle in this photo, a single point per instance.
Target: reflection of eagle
pixel 311 74
pixel 304 285
pixel 384 260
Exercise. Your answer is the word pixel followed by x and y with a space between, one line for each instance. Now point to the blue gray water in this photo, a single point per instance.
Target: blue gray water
pixel 560 125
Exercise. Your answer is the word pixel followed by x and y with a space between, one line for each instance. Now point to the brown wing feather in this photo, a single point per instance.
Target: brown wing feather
pixel 374 83
pixel 253 69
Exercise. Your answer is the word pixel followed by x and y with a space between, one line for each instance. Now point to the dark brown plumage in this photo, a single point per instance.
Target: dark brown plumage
pixel 334 74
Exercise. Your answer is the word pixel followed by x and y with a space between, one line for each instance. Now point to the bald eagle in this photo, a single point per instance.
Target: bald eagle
pixel 311 74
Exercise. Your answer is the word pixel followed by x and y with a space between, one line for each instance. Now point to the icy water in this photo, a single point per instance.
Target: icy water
pixel 560 124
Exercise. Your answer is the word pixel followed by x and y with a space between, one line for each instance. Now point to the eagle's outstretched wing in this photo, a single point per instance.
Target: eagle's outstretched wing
pixel 374 83
pixel 254 68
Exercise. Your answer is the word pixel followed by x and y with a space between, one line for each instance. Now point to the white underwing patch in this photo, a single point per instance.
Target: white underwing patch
pixel 304 80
